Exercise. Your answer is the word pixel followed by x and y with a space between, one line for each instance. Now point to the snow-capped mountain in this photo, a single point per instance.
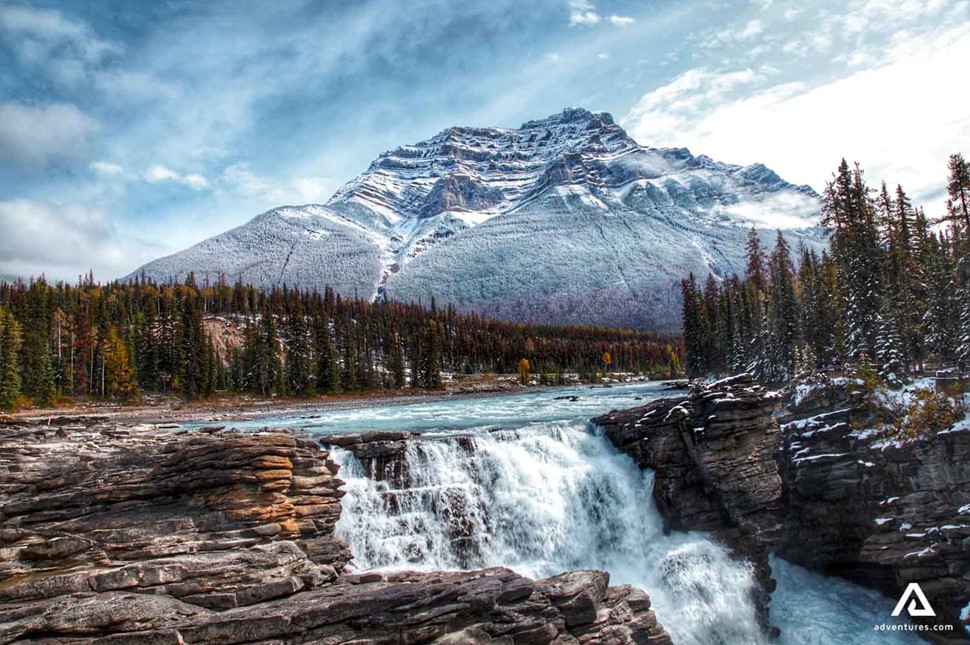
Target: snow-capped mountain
pixel 566 219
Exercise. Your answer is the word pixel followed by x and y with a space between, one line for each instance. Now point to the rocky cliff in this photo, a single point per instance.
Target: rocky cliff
pixel 713 456
pixel 139 535
pixel 828 489
pixel 879 511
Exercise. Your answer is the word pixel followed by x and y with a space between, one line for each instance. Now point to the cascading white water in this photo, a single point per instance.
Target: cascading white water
pixel 543 499
pixel 550 493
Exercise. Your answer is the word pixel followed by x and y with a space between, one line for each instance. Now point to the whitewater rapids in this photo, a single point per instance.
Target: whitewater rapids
pixel 524 481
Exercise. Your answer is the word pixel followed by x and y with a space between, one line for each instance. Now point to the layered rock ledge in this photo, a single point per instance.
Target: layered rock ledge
pixel 879 511
pixel 827 489
pixel 140 535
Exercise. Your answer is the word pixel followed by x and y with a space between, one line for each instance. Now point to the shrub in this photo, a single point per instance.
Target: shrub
pixel 928 413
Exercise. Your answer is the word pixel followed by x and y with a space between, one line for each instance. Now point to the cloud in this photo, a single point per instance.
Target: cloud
pixel 583 13
pixel 621 21
pixel 667 112
pixel 75 239
pixel 61 49
pixel 297 190
pixel 782 210
pixel 900 120
pixel 37 135
pixel 106 169
pixel 158 173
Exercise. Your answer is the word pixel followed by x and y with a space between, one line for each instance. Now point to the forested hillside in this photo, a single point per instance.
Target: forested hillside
pixel 115 341
pixel 891 292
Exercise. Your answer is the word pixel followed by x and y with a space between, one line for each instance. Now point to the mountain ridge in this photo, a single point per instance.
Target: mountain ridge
pixel 457 215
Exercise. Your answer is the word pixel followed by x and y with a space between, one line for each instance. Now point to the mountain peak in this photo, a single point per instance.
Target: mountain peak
pixel 570 115
pixel 472 213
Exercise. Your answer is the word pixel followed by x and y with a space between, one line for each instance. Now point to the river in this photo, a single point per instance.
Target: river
pixel 528 483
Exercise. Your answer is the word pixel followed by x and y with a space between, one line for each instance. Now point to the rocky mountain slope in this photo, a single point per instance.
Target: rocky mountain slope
pixel 565 219
pixel 132 534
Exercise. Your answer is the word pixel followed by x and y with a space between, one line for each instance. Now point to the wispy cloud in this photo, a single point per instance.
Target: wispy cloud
pixel 106 169
pixel 158 173
pixel 583 13
pixel 45 40
pixel 802 129
pixel 37 135
pixel 621 21
pixel 297 190
pixel 75 239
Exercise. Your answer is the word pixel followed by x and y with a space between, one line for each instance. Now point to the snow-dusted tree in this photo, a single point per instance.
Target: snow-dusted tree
pixel 783 310
pixel 298 364
pixel 849 216
pixel 941 319
pixel 963 305
pixel 889 353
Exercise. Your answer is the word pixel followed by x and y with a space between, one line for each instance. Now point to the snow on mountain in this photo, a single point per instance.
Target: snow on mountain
pixel 566 219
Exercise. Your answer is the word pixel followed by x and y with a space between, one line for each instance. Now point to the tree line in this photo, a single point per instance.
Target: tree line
pixel 891 291
pixel 118 340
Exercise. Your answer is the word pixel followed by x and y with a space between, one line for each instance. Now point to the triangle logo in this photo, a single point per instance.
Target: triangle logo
pixel 917 610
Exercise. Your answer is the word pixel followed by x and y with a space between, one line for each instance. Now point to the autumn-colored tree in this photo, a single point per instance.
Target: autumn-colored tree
pixel 119 373
pixel 524 371
pixel 607 360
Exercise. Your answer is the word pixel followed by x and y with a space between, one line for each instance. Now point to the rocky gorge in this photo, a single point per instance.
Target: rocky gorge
pixel 825 488
pixel 134 534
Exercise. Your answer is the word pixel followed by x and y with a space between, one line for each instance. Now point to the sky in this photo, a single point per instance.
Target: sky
pixel 131 130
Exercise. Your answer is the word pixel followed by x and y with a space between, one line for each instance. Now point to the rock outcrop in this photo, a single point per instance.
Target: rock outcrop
pixel 875 510
pixel 138 535
pixel 829 491
pixel 713 455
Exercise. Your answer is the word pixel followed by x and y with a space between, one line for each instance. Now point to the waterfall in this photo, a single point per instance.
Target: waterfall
pixel 548 494
pixel 548 497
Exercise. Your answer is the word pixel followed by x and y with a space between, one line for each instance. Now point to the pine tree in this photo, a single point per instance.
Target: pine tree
pixel 958 187
pixel 298 362
pixel 432 375
pixel 962 304
pixel 849 217
pixel 327 370
pixel 396 359
pixel 783 315
pixel 348 370
pixel 9 373
pixel 889 354
pixel 38 369
pixel 694 341
pixel 942 313
pixel 192 346
pixel 756 273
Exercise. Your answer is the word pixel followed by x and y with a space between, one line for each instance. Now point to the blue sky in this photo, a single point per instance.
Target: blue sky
pixel 129 130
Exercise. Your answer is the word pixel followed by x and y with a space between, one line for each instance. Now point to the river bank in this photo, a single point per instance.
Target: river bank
pixel 170 409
